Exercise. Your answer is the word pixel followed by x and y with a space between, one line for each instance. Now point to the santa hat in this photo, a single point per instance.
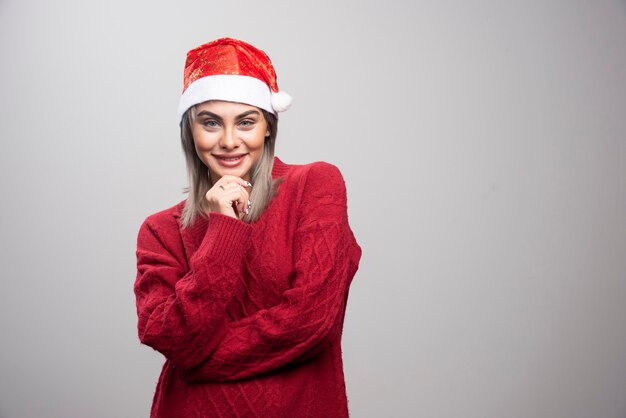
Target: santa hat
pixel 232 70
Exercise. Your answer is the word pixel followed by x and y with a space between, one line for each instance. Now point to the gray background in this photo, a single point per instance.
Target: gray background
pixel 483 144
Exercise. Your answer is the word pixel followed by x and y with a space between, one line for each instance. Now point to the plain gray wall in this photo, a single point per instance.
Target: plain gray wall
pixel 484 148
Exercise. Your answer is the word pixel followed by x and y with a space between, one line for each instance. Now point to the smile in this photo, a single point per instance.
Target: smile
pixel 229 160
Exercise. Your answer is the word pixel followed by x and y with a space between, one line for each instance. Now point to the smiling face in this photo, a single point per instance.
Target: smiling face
pixel 229 137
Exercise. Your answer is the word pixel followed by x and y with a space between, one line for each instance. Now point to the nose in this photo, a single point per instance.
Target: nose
pixel 229 139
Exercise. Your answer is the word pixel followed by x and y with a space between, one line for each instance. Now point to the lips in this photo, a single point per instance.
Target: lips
pixel 229 160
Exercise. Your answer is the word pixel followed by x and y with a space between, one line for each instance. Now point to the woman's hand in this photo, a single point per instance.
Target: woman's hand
pixel 229 196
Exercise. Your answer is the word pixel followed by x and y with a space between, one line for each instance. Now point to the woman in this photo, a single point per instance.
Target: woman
pixel 243 285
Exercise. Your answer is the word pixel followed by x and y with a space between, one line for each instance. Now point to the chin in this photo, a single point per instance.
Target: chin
pixel 235 171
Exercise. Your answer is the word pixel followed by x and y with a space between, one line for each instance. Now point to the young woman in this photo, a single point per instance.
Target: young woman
pixel 243 285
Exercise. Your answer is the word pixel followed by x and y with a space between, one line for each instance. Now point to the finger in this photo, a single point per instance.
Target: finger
pixel 220 187
pixel 233 179
pixel 242 197
pixel 229 197
pixel 228 187
pixel 236 195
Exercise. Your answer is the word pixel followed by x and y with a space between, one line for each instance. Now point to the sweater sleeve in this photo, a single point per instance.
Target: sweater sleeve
pixel 311 312
pixel 181 311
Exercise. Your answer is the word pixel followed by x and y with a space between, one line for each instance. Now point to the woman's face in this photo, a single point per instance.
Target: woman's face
pixel 229 137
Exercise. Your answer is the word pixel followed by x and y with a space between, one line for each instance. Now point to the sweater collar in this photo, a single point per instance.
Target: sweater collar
pixel 280 168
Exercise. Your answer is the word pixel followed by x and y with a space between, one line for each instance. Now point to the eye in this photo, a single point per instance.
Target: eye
pixel 246 122
pixel 210 123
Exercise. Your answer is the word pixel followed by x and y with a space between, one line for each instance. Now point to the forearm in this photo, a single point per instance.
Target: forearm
pixel 181 313
pixel 310 315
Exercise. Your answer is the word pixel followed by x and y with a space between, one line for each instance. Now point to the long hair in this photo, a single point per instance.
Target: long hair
pixel 200 182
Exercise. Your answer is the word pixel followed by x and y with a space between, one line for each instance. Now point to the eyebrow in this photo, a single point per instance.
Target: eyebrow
pixel 218 117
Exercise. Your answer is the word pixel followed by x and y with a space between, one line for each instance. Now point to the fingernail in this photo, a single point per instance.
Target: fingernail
pixel 247 183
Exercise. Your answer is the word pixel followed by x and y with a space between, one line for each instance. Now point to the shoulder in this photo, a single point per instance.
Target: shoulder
pixel 159 240
pixel 323 169
pixel 163 222
pixel 312 175
pixel 324 178
pixel 315 184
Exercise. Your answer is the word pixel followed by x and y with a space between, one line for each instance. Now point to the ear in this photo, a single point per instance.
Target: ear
pixel 267 134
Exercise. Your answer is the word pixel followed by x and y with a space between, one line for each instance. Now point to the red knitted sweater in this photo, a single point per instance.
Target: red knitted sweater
pixel 250 316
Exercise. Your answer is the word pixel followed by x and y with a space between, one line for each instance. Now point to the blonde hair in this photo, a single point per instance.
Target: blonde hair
pixel 200 182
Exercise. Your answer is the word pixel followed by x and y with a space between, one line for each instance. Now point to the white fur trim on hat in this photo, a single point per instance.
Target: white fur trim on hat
pixel 231 88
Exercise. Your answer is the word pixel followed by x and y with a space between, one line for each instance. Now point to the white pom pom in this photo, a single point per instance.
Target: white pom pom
pixel 281 101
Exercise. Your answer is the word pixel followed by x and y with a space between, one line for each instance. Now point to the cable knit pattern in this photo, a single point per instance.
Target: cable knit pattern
pixel 250 316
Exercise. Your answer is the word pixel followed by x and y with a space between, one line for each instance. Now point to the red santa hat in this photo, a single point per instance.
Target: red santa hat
pixel 232 70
